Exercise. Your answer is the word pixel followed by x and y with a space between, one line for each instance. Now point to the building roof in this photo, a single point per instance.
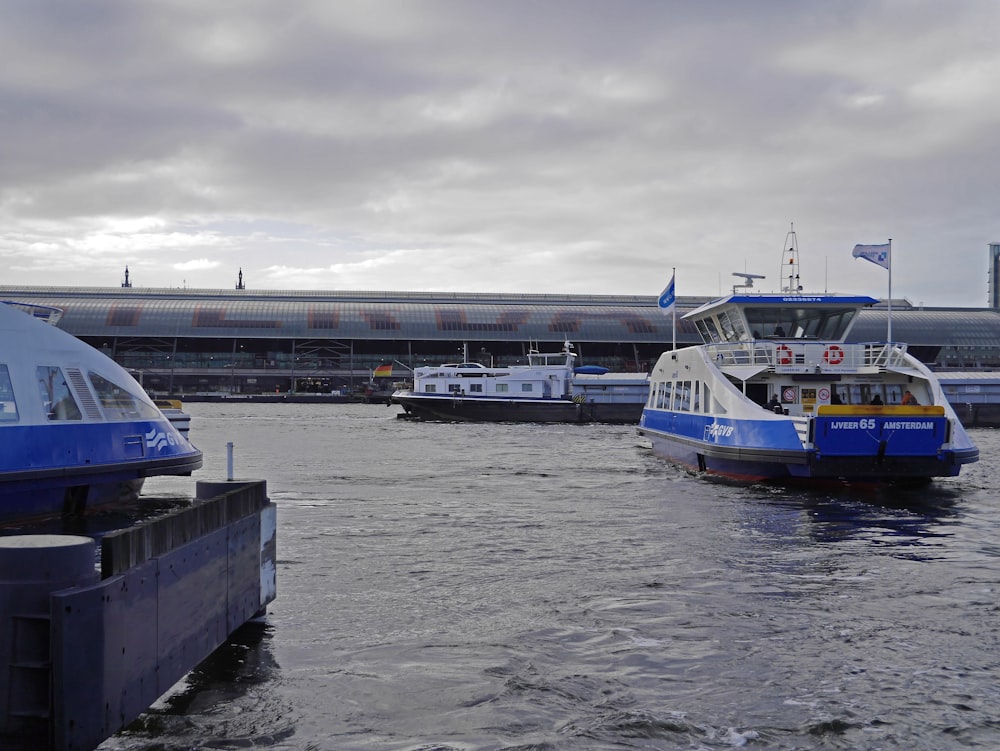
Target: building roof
pixel 149 312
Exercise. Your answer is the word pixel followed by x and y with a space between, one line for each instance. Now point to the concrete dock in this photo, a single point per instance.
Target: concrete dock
pixel 85 650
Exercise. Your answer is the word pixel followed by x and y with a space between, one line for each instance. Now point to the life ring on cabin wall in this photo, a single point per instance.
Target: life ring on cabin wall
pixel 834 355
pixel 784 354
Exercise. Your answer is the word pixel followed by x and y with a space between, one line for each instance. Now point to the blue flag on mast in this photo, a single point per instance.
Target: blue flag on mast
pixel 877 254
pixel 668 298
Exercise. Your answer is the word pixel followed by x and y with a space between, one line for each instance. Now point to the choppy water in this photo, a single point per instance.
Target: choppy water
pixel 465 586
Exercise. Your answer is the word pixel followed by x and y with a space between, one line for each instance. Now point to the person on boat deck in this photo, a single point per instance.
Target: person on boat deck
pixel 835 398
pixel 779 330
pixel 909 398
pixel 877 399
pixel 774 405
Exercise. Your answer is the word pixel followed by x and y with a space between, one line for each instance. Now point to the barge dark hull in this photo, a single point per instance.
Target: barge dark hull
pixel 467 409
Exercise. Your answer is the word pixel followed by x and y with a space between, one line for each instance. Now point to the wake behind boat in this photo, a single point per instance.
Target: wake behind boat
pixel 549 388
pixel 76 430
pixel 776 393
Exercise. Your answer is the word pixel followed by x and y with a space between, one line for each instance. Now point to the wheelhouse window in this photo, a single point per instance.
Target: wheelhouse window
pixel 800 323
pixel 8 406
pixel 56 395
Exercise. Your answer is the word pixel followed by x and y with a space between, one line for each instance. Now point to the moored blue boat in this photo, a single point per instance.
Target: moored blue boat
pixel 76 430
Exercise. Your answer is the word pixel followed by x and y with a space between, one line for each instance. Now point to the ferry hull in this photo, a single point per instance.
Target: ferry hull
pixel 854 461
pixel 39 489
pixel 470 409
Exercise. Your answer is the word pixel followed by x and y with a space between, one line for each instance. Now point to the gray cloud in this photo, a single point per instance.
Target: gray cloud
pixel 563 146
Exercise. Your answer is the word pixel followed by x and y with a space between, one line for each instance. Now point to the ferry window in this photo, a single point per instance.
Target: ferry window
pixel 430 388
pixel 454 388
pixel 8 407
pixel 55 393
pixel 708 330
pixel 668 395
pixel 118 402
pixel 663 397
pixel 682 399
pixel 476 388
pixel 502 388
pixel 732 327
pixel 696 400
pixel 525 387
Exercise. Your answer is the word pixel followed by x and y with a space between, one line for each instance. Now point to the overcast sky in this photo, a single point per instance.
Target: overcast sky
pixel 562 146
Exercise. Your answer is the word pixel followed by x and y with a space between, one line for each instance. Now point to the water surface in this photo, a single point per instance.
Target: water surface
pixel 464 586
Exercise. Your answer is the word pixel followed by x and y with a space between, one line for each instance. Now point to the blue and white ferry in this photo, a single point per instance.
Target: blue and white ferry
pixel 776 393
pixel 76 430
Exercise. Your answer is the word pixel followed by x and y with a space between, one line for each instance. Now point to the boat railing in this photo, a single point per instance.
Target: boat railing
pixel 797 356
pixel 45 313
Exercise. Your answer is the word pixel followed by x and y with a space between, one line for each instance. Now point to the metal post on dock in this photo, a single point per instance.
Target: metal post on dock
pixel 229 461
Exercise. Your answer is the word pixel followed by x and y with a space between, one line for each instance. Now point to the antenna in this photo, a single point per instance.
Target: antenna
pixel 747 280
pixel 790 263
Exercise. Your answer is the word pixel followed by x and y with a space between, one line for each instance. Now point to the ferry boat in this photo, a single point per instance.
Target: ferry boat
pixel 549 388
pixel 76 430
pixel 776 393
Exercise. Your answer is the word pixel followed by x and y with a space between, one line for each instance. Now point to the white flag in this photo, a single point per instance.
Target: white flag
pixel 878 254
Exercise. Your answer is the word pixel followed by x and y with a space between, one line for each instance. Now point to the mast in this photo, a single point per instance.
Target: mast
pixel 790 263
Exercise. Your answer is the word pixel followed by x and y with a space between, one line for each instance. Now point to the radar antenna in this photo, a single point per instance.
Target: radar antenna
pixel 790 263
pixel 747 280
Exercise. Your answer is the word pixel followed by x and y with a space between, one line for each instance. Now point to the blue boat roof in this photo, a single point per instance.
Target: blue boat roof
pixel 784 300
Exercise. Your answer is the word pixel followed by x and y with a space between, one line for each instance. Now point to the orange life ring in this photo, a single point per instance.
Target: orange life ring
pixel 784 354
pixel 834 355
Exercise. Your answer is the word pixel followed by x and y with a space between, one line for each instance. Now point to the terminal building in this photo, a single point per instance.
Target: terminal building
pixel 188 341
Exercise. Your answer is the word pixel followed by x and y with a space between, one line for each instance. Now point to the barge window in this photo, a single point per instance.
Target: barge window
pixel 8 407
pixel 55 393
pixel 118 402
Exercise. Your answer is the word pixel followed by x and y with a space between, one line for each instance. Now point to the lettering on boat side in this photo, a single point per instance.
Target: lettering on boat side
pixel 715 430
pixel 869 424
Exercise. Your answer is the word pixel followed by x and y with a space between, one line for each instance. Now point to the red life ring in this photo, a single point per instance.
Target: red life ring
pixel 834 355
pixel 784 354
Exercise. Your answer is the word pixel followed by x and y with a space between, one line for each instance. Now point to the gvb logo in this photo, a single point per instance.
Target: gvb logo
pixel 158 440
pixel 715 430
